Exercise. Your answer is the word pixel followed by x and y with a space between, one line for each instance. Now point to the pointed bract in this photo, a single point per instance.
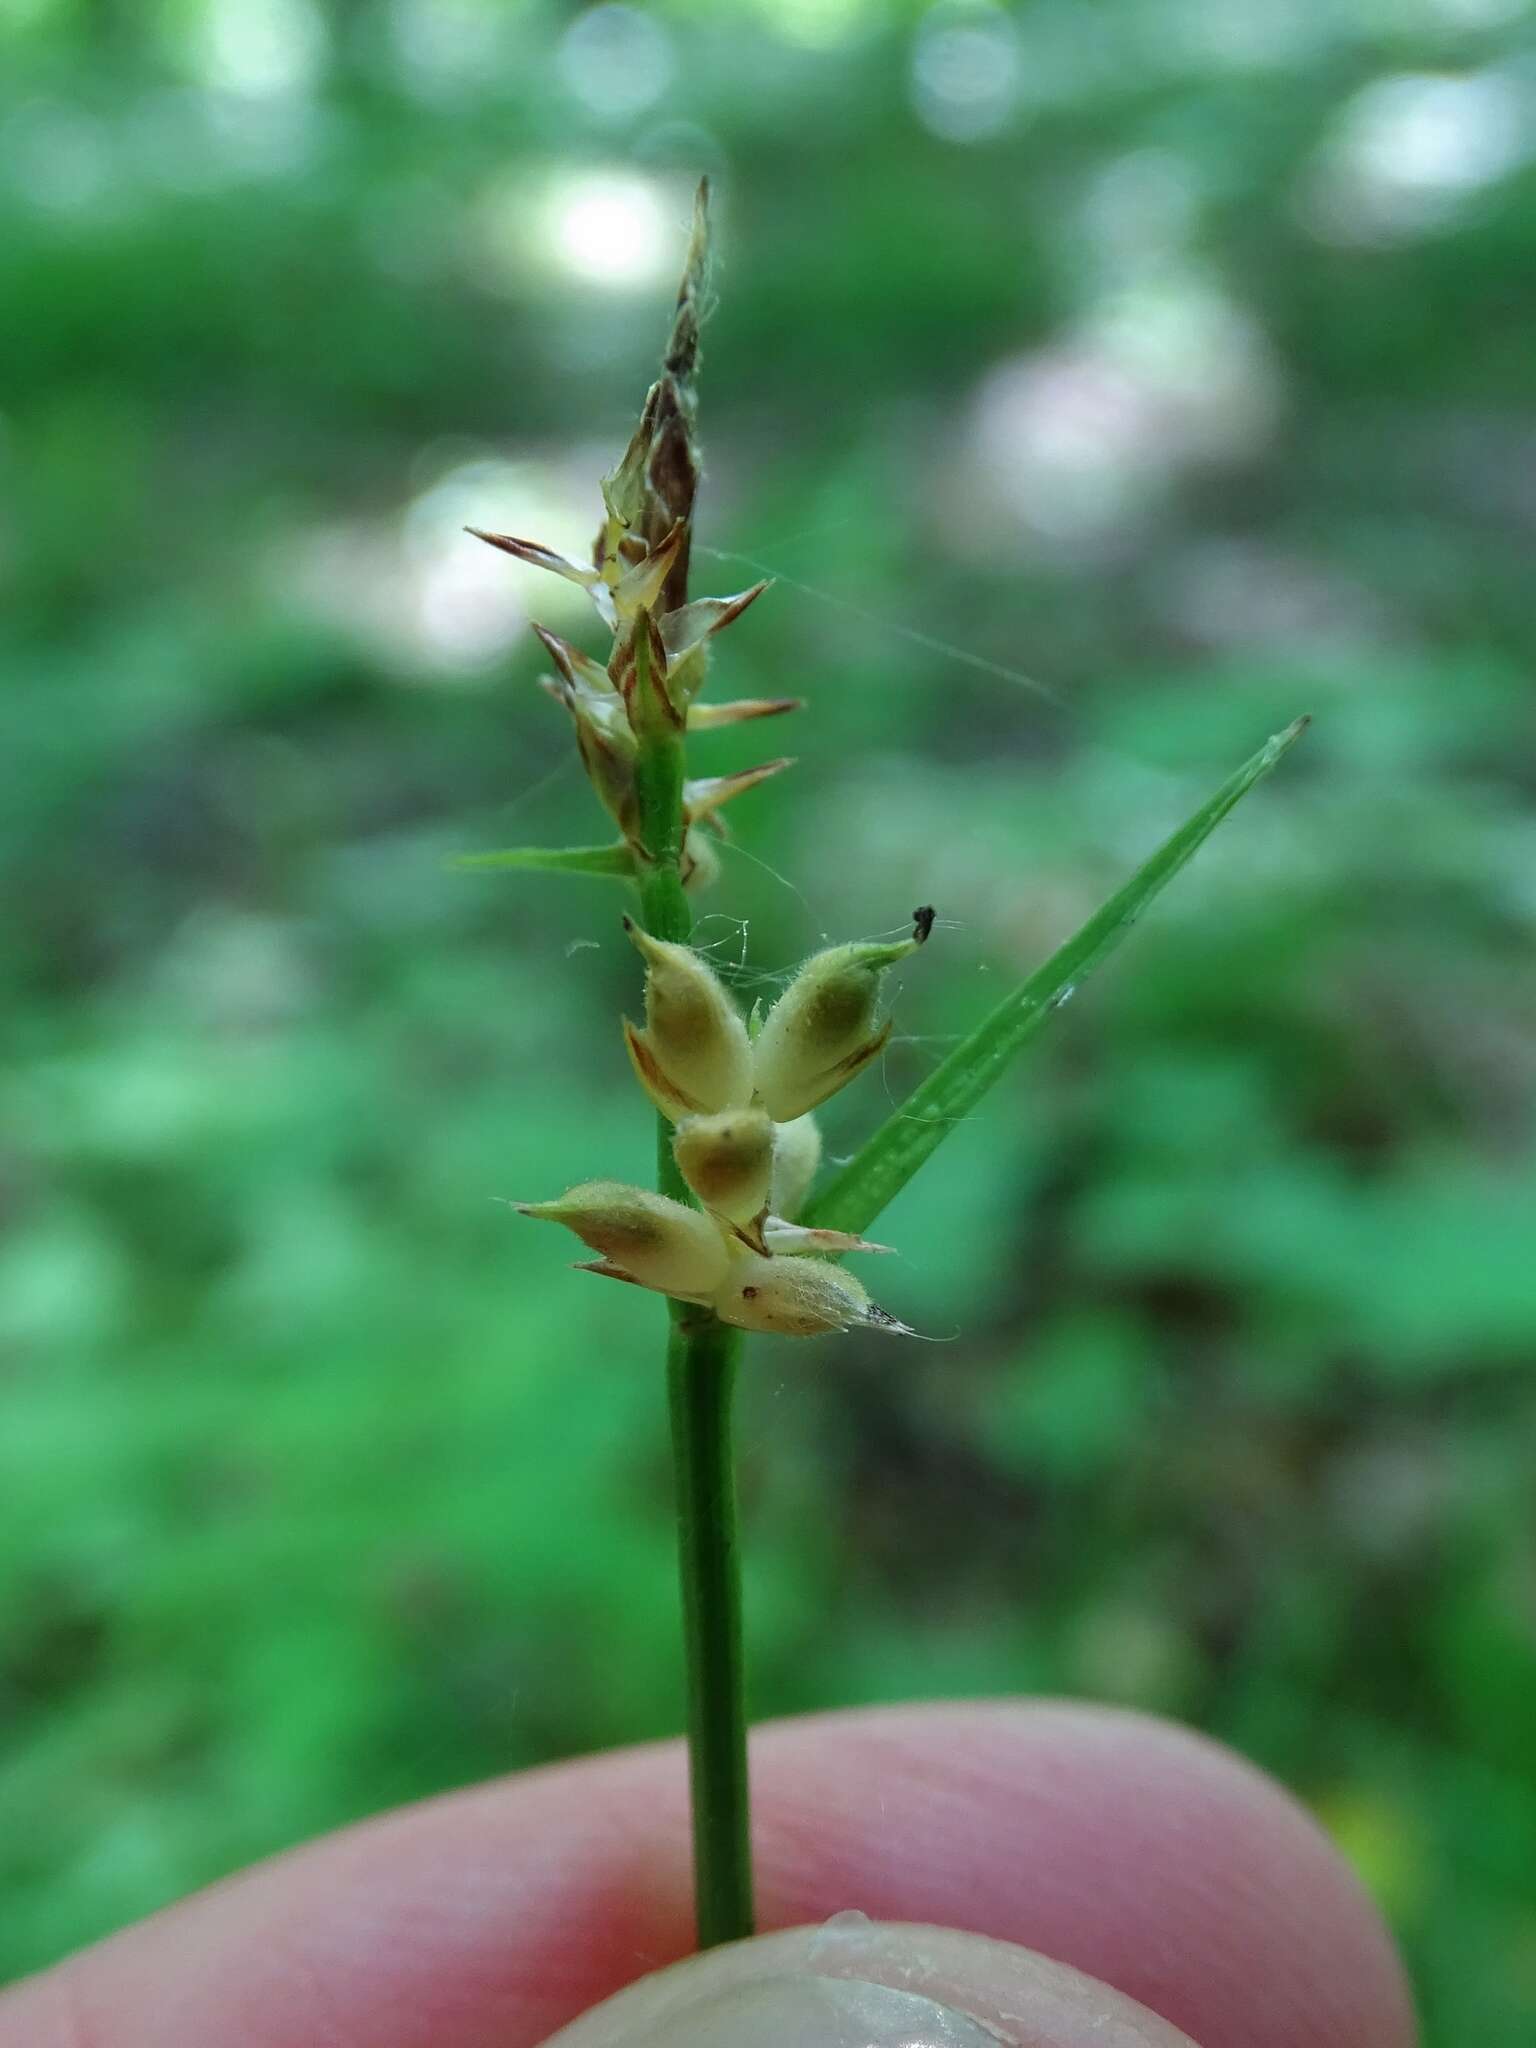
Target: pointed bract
pixel 707 717
pixel 688 631
pixel 638 588
pixel 538 557
pixel 579 669
pixel 705 795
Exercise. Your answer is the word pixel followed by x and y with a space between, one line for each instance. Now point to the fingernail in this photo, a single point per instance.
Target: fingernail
pixel 816 2012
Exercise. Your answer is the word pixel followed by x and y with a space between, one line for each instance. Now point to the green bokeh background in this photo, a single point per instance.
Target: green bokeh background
pixel 1108 383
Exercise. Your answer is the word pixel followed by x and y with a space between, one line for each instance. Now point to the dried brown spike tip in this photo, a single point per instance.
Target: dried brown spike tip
pixel 922 922
pixel 674 467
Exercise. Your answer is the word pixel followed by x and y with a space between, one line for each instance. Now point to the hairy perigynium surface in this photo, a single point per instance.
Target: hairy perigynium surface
pixel 744 1139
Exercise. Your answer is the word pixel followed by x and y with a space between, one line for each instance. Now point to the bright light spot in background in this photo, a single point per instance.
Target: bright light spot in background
pixel 443 47
pixel 1078 442
pixel 620 230
pixel 1477 13
pixel 1138 213
pixel 20 14
pixel 59 158
pixel 817 24
pixel 1241 35
pixel 611 230
pixel 260 47
pixel 616 60
pixel 427 589
pixel 1406 154
pixel 966 72
pixel 471 601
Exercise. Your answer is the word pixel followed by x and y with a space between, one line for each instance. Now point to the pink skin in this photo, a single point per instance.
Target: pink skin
pixel 1140 1854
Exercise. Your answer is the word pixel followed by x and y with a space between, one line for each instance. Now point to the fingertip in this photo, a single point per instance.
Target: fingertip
pixel 1132 1849
pixel 857 1983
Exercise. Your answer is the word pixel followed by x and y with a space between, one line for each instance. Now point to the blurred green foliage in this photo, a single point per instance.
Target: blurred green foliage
pixel 1177 357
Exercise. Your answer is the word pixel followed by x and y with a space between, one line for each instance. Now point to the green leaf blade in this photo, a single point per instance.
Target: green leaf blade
pixel 615 861
pixel 906 1140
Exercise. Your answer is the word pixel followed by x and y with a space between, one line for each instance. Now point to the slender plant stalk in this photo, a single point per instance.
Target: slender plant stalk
pixel 702 1357
pixel 701 1376
pixel 825 1027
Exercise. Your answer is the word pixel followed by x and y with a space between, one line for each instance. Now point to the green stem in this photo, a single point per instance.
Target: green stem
pixel 701 1372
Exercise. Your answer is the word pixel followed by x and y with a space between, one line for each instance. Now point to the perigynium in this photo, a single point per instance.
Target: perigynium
pixel 735 1235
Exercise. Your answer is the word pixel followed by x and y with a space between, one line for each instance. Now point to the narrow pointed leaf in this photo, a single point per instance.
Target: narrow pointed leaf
pixel 617 861
pixel 882 1167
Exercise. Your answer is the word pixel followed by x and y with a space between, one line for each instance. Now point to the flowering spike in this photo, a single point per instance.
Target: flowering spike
pixel 649 1238
pixel 797 1298
pixel 822 1030
pixel 727 1160
pixel 706 717
pixel 694 1051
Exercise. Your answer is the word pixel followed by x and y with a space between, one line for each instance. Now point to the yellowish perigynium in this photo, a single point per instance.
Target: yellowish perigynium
pixel 741 1254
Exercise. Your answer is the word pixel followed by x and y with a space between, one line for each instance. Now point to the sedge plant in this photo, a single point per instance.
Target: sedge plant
pixel 737 1235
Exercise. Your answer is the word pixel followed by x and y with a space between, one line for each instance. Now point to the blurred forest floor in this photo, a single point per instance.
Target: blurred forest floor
pixel 1106 386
